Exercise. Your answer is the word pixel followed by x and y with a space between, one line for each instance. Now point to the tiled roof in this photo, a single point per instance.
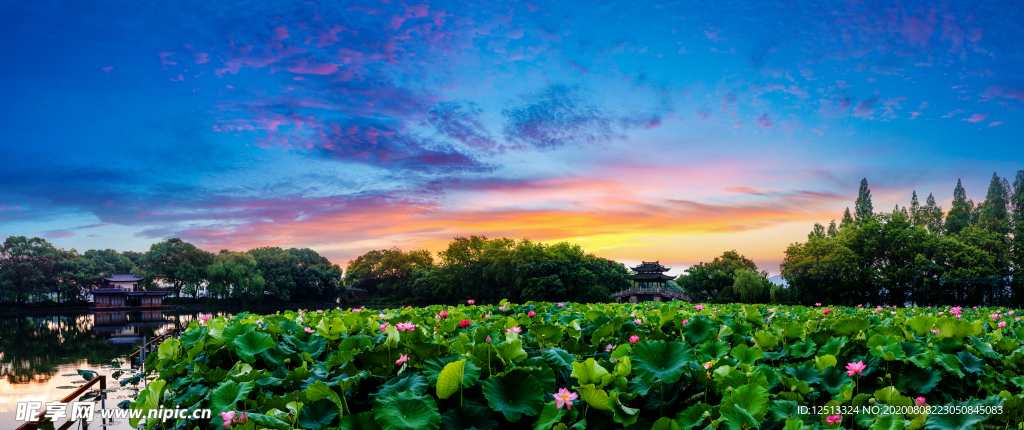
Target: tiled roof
pixel 123 277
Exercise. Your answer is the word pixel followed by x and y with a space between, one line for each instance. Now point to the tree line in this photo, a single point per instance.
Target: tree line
pixel 33 270
pixel 917 254
pixel 486 270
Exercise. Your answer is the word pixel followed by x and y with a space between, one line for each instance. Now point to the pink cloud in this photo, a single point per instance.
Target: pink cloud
pixel 820 132
pixel 7 208
pixel 163 58
pixel 953 113
pixel 764 121
pixel 1003 91
pixel 107 69
pixel 865 107
pixel 304 66
pixel 200 57
pixel 995 123
pixel 577 66
pixel 978 117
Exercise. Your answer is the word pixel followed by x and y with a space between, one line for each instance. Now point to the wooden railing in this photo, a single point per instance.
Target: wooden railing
pixel 148 347
pixel 664 292
pixel 100 379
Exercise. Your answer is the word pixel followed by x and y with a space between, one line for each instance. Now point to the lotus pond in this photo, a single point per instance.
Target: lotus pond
pixel 596 366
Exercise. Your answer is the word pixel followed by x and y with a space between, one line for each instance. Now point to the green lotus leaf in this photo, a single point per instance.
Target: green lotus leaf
pixel 252 343
pixel 558 358
pixel 712 350
pixel 765 341
pixel 513 394
pixel 589 372
pixel 268 421
pixel 468 417
pixel 317 415
pixel 803 349
pixel 921 324
pixel 548 333
pixel 549 416
pixel 823 362
pixel 752 315
pixel 834 379
pixel 780 410
pixel 833 346
pixel 752 400
pixel 621 413
pixel 595 397
pixel 745 354
pixel 962 421
pixel 406 381
pixel 449 381
pixel 888 422
pixel 405 410
pixel 665 423
pixel 319 391
pixel 692 416
pixel 735 417
pixel 360 421
pixel 511 351
pixel 849 325
pixel 149 399
pixel 87 374
pixel 971 363
pixel 699 329
pixel 923 380
pixel 956 328
pixel 331 328
pixel 225 397
pixel 168 349
pixel 664 361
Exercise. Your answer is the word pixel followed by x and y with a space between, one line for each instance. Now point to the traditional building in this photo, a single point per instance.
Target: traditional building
pixel 123 290
pixel 650 274
pixel 649 284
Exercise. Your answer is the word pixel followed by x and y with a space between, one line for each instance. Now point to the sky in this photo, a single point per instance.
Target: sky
pixel 668 131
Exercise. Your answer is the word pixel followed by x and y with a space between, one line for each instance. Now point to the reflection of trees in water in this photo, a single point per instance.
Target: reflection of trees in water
pixel 33 347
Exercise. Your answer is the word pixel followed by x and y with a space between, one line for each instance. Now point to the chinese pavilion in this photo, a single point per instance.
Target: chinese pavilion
pixel 122 290
pixel 650 274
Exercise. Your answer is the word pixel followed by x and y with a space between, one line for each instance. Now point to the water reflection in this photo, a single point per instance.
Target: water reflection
pixel 39 355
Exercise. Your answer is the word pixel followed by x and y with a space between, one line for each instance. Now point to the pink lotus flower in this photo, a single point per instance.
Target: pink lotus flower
pixel 996 316
pixel 609 348
pixel 488 338
pixel 531 314
pixel 920 401
pixel 935 331
pixel 381 315
pixel 443 314
pixel 470 301
pixel 227 417
pixel 1010 313
pixel 817 304
pixel 308 330
pixel 699 308
pixel 634 339
pixel 465 323
pixel 515 329
pixel 857 368
pixel 1017 319
pixel 561 305
pixel 638 321
pixel 1002 324
pixel 826 311
pixel 501 308
pixel 383 326
pixel 833 419
pixel 400 326
pixel 402 359
pixel 685 321
pixel 410 326
pixel 860 305
pixel 564 397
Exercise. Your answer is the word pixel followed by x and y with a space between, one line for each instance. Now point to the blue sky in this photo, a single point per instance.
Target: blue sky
pixel 643 131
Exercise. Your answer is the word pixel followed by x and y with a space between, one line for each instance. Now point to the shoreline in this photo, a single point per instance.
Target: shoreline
pixel 16 311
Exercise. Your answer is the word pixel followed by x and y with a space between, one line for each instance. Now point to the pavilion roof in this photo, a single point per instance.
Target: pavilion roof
pixel 650 266
pixel 649 277
pixel 123 277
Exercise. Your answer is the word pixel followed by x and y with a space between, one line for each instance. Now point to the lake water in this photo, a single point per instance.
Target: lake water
pixel 40 356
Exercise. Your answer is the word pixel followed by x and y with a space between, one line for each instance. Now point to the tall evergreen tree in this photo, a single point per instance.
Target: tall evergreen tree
pixel 916 218
pixel 1017 225
pixel 959 216
pixel 993 214
pixel 932 215
pixel 863 208
pixel 819 231
pixel 832 230
pixel 847 219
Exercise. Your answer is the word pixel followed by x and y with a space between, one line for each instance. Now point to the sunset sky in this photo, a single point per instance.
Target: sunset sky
pixel 643 131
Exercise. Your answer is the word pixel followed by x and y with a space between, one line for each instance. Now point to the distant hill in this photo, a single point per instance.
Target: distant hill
pixel 777 280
